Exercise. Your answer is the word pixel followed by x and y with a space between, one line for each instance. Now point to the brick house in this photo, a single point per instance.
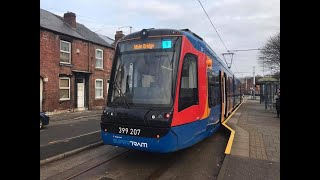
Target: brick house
pixel 75 64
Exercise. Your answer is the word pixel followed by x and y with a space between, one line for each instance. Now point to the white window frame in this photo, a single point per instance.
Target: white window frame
pixel 108 80
pixel 95 88
pixel 98 58
pixel 63 99
pixel 66 52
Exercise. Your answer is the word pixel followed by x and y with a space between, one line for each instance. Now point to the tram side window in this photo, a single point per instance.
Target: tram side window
pixel 213 89
pixel 189 83
pixel 211 93
pixel 217 88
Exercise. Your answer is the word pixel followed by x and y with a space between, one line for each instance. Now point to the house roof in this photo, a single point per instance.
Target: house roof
pixel 106 38
pixel 56 23
pixel 52 22
pixel 91 36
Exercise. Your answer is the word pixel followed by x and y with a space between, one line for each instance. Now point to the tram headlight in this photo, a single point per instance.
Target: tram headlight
pixel 167 115
pixel 159 115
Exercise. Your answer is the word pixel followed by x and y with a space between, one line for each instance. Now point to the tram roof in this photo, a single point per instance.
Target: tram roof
pixel 195 39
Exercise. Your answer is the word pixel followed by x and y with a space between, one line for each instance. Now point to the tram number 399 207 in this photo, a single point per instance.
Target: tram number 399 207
pixel 131 131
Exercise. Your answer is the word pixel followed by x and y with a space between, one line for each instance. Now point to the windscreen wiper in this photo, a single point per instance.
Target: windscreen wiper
pixel 119 89
pixel 122 95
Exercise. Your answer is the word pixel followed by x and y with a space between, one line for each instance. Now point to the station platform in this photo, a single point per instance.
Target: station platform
pixel 253 152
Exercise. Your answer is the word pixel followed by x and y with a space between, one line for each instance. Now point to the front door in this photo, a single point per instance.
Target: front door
pixel 80 94
pixel 41 91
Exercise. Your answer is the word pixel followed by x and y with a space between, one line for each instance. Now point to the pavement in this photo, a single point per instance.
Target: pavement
pixel 255 149
pixel 74 115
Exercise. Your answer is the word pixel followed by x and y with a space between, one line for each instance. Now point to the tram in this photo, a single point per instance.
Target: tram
pixel 168 90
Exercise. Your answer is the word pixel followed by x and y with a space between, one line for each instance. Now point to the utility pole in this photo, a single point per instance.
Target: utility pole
pixel 254 84
pixel 263 69
pixel 246 86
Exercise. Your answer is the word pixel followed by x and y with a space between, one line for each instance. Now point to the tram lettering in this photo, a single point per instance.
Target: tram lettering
pixel 120 141
pixel 133 143
pixel 143 46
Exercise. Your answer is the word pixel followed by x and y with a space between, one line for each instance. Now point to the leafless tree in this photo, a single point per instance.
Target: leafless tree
pixel 269 56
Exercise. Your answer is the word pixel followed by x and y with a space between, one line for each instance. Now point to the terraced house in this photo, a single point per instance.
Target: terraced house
pixel 75 64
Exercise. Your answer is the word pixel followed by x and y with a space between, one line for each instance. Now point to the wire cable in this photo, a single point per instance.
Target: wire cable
pixel 246 50
pixel 213 25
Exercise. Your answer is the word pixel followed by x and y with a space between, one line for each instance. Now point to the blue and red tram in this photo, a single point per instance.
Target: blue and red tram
pixel 168 90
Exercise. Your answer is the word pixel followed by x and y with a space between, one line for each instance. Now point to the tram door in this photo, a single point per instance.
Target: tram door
pixel 223 96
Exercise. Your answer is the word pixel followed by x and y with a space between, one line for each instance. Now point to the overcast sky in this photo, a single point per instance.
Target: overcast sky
pixel 242 24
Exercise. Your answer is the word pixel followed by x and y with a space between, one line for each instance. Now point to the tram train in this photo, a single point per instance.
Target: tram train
pixel 168 90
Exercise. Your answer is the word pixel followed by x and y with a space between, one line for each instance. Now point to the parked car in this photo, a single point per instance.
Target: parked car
pixel 44 119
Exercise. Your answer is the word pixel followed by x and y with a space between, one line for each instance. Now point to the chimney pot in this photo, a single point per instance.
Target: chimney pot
pixel 119 35
pixel 70 18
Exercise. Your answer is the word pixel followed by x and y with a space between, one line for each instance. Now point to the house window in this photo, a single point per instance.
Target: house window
pixel 99 58
pixel 65 55
pixel 64 88
pixel 99 88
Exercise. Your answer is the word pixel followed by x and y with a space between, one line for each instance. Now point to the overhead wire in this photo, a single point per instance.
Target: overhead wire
pixel 221 38
pixel 213 25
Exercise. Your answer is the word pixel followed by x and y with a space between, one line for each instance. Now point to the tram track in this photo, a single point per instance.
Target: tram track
pixel 78 164
pixel 163 168
pixel 107 162
pixel 82 170
pixel 96 165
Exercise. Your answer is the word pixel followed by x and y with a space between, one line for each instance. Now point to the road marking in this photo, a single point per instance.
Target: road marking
pixel 87 116
pixel 230 141
pixel 74 120
pixel 68 139
pixel 69 153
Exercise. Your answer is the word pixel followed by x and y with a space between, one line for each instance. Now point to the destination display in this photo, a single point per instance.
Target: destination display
pixel 147 44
